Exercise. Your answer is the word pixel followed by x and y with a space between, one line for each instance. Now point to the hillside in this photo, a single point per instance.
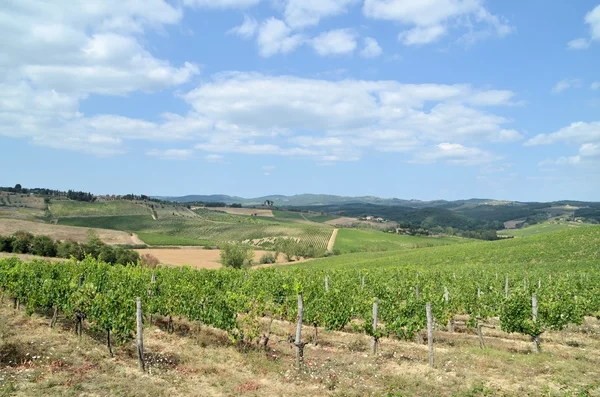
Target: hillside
pixel 576 245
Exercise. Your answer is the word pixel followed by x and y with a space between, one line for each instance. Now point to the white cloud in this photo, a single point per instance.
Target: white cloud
pixel 247 29
pixel 371 48
pixel 335 42
pixel 595 85
pixel 566 84
pixel 578 44
pixel 302 13
pixel 170 154
pixel 592 19
pixel 274 37
pixel 430 20
pixel 422 35
pixel 454 153
pixel 340 121
pixel 221 3
pixel 578 132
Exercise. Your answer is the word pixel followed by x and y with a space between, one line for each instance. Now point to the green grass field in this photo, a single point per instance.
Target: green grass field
pixel 541 228
pixel 355 240
pixel 574 245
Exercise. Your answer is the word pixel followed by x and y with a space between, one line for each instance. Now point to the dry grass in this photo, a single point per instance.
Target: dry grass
pixel 59 232
pixel 37 360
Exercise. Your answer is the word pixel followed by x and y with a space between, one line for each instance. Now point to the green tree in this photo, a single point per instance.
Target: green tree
pixel 43 246
pixel 22 242
pixel 6 244
pixel 107 254
pixel 236 255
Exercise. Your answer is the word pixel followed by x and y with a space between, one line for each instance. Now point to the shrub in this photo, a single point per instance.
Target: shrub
pixel 43 246
pixel 6 243
pixel 236 255
pixel 150 261
pixel 22 242
pixel 268 258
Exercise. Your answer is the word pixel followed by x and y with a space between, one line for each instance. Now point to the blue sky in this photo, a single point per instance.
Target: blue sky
pixel 395 98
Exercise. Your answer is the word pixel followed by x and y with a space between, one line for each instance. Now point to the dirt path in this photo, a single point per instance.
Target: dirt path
pixel 136 240
pixel 332 240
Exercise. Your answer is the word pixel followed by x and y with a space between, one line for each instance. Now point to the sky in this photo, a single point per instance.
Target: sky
pixel 429 99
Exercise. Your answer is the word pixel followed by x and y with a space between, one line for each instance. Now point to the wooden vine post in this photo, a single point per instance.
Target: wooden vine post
pixel 417 291
pixel 140 334
pixel 298 342
pixel 506 287
pixel 430 333
pixel 451 319
pixel 375 338
pixel 326 283
pixel 534 310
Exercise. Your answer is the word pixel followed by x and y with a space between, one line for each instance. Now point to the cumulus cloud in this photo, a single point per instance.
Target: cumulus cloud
pixel 579 132
pixel 592 19
pixel 587 135
pixel 274 37
pixel 302 13
pixel 430 20
pixel 595 85
pixel 454 153
pixel 342 120
pixel 247 29
pixel 335 42
pixel 371 48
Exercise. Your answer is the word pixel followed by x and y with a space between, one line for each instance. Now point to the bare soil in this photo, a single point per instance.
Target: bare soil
pixel 195 256
pixel 347 221
pixel 332 240
pixel 60 232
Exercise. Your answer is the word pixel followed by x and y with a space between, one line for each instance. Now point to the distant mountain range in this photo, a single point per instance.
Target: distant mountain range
pixel 301 200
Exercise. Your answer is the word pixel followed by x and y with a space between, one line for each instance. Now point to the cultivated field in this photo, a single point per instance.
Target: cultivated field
pixel 349 222
pixel 70 208
pixel 570 246
pixel 59 232
pixel 540 228
pixel 353 240
pixel 243 211
pixel 195 257
pixel 209 228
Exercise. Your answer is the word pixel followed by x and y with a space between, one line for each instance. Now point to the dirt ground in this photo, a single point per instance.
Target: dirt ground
pixel 195 256
pixel 27 257
pixel 242 211
pixel 59 232
pixel 36 360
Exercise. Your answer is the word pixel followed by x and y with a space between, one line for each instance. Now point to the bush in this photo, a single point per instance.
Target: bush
pixel 150 261
pixel 6 243
pixel 127 257
pixel 22 242
pixel 43 246
pixel 236 255
pixel 268 258
pixel 67 249
pixel 107 254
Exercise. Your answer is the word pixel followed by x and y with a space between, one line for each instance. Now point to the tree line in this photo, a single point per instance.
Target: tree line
pixel 22 242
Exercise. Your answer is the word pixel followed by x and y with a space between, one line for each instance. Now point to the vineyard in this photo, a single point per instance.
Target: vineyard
pixel 488 296
pixel 209 228
pixel 334 299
